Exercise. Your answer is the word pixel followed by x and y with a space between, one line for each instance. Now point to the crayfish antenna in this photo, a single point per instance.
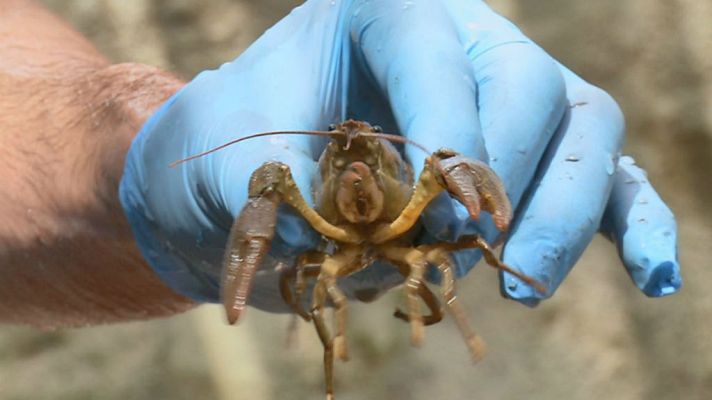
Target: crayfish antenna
pixel 350 135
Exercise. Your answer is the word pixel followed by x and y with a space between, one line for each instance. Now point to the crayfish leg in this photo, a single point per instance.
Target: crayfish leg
pixel 253 230
pixel 426 189
pixel 471 182
pixel 325 337
pixel 308 265
pixel 476 241
pixel 474 342
pixel 326 287
pixel 416 262
pixel 296 274
pixel 331 268
pixel 436 311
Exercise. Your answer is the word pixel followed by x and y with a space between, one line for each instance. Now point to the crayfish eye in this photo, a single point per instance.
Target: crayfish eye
pixel 332 127
pixel 377 128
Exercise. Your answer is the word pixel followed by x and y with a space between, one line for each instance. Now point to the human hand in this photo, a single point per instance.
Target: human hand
pixel 554 140
pixel 181 216
pixel 294 77
pixel 413 71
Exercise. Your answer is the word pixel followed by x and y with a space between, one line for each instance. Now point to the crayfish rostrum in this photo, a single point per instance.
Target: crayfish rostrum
pixel 366 204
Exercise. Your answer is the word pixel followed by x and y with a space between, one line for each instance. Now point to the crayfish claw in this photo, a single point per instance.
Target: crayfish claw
pixel 477 187
pixel 248 243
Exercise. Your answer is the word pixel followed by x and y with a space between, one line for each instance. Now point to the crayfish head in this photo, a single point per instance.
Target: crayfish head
pixel 359 198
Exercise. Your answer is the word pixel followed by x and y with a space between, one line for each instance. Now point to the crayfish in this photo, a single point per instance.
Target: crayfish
pixel 365 206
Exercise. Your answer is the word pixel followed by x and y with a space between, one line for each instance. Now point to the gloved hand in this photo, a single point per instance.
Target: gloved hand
pixel 445 74
pixel 554 140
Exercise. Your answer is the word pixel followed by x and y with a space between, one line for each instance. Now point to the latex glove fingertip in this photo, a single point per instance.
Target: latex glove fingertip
pixel 645 231
pixel 664 280
pixel 538 260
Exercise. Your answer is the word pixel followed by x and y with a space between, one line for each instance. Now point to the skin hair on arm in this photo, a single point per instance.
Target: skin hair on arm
pixel 67 118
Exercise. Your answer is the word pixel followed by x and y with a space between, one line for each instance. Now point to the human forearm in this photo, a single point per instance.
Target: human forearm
pixel 67 117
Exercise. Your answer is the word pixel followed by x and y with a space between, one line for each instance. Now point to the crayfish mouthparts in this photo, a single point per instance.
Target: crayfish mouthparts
pixel 359 198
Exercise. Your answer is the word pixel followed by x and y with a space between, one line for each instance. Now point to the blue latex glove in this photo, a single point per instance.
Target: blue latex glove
pixel 445 74
pixel 524 98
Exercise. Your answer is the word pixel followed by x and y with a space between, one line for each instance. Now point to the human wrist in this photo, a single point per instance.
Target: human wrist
pixel 64 229
pixel 125 96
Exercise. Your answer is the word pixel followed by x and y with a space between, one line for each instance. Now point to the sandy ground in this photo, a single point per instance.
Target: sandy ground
pixel 597 338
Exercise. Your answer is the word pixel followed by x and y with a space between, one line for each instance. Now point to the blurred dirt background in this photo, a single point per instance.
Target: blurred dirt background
pixel 597 338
